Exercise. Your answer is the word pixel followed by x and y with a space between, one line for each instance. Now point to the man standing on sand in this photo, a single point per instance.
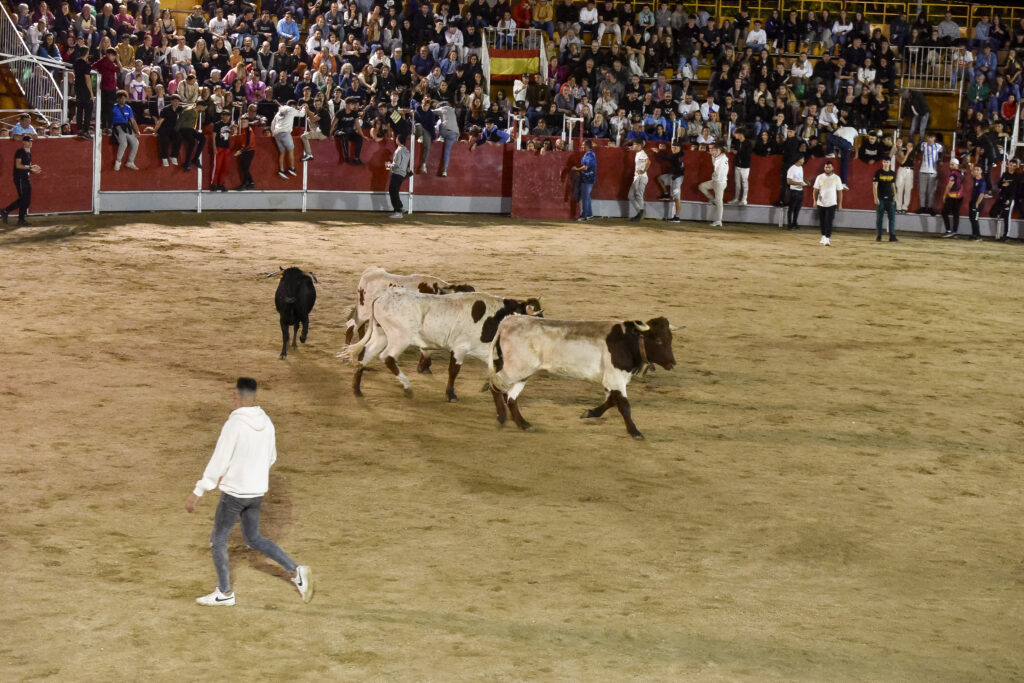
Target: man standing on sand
pixel 883 188
pixel 828 197
pixel 795 180
pixel 240 467
pixel 23 168
pixel 637 205
pixel 588 177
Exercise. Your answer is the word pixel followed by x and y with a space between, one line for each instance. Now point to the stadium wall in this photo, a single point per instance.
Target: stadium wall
pixel 490 179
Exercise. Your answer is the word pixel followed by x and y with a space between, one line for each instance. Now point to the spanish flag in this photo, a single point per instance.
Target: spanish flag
pixel 506 65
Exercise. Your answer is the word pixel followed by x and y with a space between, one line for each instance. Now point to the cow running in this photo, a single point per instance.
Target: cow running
pixel 463 323
pixel 294 300
pixel 606 352
pixel 375 281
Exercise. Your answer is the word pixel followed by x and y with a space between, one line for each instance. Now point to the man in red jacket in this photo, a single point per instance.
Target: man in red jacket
pixel 109 67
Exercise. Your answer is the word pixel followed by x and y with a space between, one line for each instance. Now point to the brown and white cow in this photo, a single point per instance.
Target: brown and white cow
pixel 375 281
pixel 606 352
pixel 463 323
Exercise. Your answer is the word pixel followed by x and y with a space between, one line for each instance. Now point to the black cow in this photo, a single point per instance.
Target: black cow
pixel 294 300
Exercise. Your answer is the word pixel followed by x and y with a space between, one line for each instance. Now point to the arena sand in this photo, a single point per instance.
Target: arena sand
pixel 830 488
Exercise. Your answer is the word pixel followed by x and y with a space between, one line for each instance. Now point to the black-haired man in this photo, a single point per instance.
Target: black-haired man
pixel 23 167
pixel 400 167
pixel 240 467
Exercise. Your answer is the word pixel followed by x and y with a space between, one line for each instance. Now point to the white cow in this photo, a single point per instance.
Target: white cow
pixel 606 352
pixel 463 323
pixel 375 281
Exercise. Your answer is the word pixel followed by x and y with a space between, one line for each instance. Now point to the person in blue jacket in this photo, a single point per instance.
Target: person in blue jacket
pixel 588 176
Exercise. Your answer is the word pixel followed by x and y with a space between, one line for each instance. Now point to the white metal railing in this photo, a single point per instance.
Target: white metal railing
pixel 569 124
pixel 930 68
pixel 518 39
pixel 42 82
pixel 1015 140
pixel 485 64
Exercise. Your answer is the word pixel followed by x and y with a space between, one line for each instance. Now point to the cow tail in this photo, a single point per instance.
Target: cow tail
pixel 351 351
pixel 495 362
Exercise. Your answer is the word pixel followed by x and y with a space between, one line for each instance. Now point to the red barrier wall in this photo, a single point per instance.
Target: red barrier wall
pixel 542 185
pixel 66 181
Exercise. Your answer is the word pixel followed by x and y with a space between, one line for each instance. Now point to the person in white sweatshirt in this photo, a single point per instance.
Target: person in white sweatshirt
pixel 240 467
pixel 714 189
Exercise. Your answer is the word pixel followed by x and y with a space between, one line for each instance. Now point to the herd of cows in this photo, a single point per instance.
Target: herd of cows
pixel 393 312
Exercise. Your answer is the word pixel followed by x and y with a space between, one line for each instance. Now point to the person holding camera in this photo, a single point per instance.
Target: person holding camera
pixel 23 168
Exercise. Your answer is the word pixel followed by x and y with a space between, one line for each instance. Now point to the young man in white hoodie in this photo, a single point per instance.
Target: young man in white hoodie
pixel 240 467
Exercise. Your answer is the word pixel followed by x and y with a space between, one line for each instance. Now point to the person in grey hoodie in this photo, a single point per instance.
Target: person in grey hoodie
pixel 400 167
pixel 240 468
pixel 448 130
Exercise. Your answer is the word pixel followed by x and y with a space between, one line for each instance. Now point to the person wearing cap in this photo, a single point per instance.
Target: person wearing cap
pixel 126 132
pixel 166 129
pixel 400 167
pixel 491 134
pixel 828 197
pixel 1008 198
pixel 23 168
pixel 883 190
pixel 281 129
pixel 222 144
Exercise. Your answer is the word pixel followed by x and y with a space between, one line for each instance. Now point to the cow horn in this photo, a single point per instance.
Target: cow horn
pixel 314 277
pixel 270 275
pixel 641 326
pixel 530 310
pixel 676 328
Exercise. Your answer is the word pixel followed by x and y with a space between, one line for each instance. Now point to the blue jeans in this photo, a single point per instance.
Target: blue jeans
pixel 845 148
pixel 546 26
pixel 586 210
pixel 450 138
pixel 228 511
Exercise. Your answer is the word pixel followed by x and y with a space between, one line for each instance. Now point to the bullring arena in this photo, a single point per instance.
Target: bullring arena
pixel 829 488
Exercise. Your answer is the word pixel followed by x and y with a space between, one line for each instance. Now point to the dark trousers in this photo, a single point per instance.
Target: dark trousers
pixel 951 213
pixel 194 143
pixel 107 108
pixel 24 188
pixel 796 200
pixel 393 189
pixel 168 143
pixel 244 162
pixel 886 207
pixel 972 215
pixel 356 140
pixel 83 115
pixel 826 214
pixel 1004 210
pixel 783 185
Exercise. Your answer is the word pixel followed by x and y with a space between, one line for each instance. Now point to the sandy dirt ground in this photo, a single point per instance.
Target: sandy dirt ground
pixel 830 488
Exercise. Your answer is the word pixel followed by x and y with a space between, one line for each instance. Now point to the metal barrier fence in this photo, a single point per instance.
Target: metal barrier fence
pixel 42 82
pixel 931 68
pixel 518 39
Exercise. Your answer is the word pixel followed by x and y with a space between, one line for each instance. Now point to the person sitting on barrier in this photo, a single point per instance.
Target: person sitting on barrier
pixel 491 135
pixel 318 125
pixel 190 135
pixel 345 129
pixel 166 129
pixel 125 131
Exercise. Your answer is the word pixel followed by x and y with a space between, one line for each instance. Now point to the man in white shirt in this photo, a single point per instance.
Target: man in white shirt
pixel 756 38
pixel 963 60
pixel 714 189
pixel 708 107
pixel 927 174
pixel 802 67
pixel 281 129
pixel 180 56
pixel 687 107
pixel 637 205
pixel 828 197
pixel 828 118
pixel 240 467
pixel 589 19
pixel 795 181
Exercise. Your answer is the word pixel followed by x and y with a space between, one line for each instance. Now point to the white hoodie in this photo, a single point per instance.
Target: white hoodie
pixel 241 462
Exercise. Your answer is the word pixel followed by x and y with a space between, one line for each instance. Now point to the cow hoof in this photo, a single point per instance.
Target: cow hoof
pixel 357 393
pixel 638 436
pixel 425 371
pixel 408 393
pixel 302 339
pixel 501 419
pixel 453 399
pixel 524 425
pixel 283 356
pixel 586 414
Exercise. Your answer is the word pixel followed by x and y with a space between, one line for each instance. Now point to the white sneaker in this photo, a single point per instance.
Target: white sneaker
pixel 307 157
pixel 217 598
pixel 303 580
pixel 828 242
pixel 117 165
pixel 396 214
pixel 164 162
pixel 174 160
pixel 291 171
pixel 743 202
pixel 716 224
pixel 132 166
pixel 822 240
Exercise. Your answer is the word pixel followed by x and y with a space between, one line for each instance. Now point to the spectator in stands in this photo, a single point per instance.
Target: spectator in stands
pixel 24 128
pixel 288 30
pixel 757 39
pixel 917 107
pixel 949 31
pixel 986 63
pixel 981 32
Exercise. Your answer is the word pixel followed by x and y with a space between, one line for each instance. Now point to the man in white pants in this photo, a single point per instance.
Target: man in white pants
pixel 741 174
pixel 714 189
pixel 905 155
pixel 636 190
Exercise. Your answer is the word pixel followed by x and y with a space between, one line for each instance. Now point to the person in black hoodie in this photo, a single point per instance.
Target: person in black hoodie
pixel 1009 198
pixel 741 175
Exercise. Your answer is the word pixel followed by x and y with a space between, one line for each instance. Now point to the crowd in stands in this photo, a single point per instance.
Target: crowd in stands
pixel 376 68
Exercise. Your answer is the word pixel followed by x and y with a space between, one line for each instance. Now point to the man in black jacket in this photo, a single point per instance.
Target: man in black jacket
pixel 791 151
pixel 1009 197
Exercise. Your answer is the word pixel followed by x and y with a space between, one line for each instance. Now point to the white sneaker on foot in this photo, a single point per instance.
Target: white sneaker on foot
pixel 716 224
pixel 174 160
pixel 822 240
pixel 396 214
pixel 131 165
pixel 303 580
pixel 217 598
pixel 828 242
pixel 117 165
pixel 164 162
pixel 291 171
pixel 307 157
